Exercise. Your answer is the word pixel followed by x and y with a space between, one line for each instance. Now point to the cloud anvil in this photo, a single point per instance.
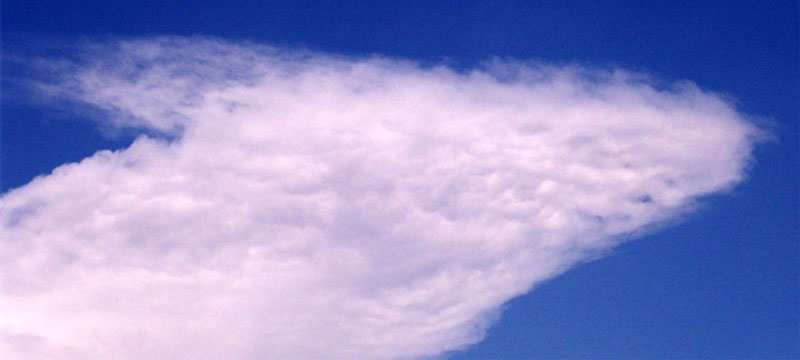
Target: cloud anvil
pixel 307 205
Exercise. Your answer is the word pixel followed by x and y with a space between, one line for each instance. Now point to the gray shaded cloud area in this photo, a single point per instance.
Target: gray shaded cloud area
pixel 307 206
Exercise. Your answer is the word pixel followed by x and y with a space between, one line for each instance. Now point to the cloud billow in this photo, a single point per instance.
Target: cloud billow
pixel 305 206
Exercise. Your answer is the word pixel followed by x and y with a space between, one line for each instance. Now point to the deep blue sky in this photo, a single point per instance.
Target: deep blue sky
pixel 723 284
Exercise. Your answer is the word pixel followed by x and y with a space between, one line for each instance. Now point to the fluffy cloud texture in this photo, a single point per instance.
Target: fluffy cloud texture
pixel 292 205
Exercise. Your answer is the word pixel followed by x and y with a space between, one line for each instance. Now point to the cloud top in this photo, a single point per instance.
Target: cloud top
pixel 311 206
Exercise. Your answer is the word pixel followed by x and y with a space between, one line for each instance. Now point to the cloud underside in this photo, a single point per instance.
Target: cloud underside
pixel 296 205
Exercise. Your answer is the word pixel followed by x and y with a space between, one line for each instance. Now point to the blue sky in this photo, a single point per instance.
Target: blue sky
pixel 722 282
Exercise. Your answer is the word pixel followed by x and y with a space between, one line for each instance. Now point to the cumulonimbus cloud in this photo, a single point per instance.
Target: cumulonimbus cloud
pixel 306 206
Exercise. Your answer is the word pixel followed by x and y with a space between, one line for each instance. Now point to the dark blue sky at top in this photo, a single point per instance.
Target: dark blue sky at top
pixel 722 284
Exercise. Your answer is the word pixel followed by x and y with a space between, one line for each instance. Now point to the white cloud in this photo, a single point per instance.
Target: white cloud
pixel 319 207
